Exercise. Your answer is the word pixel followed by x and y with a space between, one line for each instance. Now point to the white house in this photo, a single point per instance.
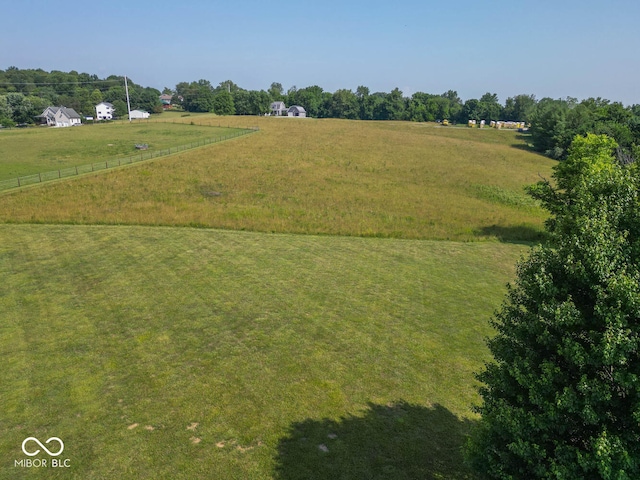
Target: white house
pixel 61 117
pixel 278 109
pixel 104 111
pixel 296 111
pixel 137 114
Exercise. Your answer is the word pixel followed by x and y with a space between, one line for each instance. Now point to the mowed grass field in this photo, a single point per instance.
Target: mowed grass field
pixel 27 151
pixel 191 353
pixel 155 350
pixel 338 177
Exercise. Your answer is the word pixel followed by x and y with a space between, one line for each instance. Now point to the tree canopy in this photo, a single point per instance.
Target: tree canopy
pixel 26 93
pixel 561 399
pixel 554 122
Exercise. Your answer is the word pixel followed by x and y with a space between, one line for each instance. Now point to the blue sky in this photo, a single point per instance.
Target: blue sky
pixel 547 48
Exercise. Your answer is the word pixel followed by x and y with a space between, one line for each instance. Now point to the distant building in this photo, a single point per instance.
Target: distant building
pixel 278 109
pixel 165 100
pixel 104 111
pixel 138 114
pixel 61 117
pixel 296 111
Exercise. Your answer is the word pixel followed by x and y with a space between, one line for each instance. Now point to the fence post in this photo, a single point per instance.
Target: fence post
pixel 40 177
pixel 18 181
pixel 76 170
pixel 58 173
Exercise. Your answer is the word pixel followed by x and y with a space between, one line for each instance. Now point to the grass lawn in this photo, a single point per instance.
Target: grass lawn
pixel 191 353
pixel 155 351
pixel 336 177
pixel 41 149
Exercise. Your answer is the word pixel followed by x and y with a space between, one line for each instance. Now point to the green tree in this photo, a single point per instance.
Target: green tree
pixel 228 86
pixel 242 102
pixel 472 110
pixel 549 133
pixel 490 108
pixel 5 112
pixel 120 109
pixel 115 93
pixel 455 106
pixel 561 400
pixel 395 105
pixel 147 99
pixel 310 98
pixel 518 108
pixel 196 96
pixel 438 108
pixel 22 108
pixel 96 97
pixel 344 104
pixel 260 102
pixel 223 103
pixel 276 92
pixel 417 109
pixel 365 103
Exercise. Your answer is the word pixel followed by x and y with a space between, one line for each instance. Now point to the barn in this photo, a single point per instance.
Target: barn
pixel 296 111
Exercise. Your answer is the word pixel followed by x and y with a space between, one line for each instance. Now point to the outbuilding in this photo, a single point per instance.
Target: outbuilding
pixel 296 111
pixel 138 114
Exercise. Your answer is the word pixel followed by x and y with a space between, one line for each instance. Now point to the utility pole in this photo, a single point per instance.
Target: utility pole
pixel 126 89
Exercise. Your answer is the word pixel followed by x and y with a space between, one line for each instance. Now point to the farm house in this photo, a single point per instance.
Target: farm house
pixel 61 117
pixel 278 109
pixel 104 111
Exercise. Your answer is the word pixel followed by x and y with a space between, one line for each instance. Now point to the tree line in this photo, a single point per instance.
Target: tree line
pixel 554 122
pixel 24 94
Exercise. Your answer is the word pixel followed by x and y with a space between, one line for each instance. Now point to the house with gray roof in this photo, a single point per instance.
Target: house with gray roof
pixel 278 109
pixel 296 111
pixel 104 111
pixel 61 117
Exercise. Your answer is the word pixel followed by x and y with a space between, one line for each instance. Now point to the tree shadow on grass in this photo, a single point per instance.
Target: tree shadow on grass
pixel 520 234
pixel 524 142
pixel 398 441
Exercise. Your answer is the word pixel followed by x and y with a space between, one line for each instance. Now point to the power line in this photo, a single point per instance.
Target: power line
pixel 62 83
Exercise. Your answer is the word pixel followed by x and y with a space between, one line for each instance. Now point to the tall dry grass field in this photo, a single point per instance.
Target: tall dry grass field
pixel 315 176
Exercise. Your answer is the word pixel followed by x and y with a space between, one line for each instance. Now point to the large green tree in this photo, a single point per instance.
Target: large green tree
pixel 365 103
pixel 276 92
pixel 518 108
pixel 549 132
pixel 223 103
pixel 310 98
pixel 561 400
pixel 490 108
pixel 196 96
pixel 344 104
